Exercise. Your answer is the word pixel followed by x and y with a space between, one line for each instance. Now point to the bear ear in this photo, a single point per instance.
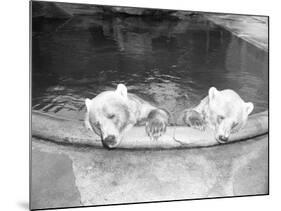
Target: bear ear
pixel 213 92
pixel 88 103
pixel 249 107
pixel 122 90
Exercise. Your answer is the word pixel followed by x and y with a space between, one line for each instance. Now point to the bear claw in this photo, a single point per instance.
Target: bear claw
pixel 193 119
pixel 155 128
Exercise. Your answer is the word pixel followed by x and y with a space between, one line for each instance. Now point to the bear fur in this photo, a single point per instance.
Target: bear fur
pixel 111 113
pixel 223 111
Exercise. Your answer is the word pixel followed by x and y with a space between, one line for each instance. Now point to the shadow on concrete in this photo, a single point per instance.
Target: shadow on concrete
pixel 24 205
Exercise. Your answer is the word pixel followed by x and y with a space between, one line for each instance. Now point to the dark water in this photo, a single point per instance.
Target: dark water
pixel 168 62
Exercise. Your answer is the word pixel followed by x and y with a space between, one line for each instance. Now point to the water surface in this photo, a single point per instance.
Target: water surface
pixel 169 62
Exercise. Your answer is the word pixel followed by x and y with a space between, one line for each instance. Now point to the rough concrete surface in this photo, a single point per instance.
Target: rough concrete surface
pixel 53 181
pixel 61 130
pixel 253 29
pixel 123 176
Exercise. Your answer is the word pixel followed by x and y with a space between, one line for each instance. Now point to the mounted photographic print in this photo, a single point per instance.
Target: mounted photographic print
pixel 135 105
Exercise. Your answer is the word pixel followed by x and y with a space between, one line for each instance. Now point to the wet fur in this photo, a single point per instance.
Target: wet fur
pixel 228 103
pixel 121 111
pixel 155 119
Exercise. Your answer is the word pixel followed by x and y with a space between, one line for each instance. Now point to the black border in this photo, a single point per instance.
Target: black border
pixel 30 103
pixel 145 202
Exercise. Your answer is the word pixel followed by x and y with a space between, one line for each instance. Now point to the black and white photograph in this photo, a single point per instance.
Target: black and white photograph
pixel 138 105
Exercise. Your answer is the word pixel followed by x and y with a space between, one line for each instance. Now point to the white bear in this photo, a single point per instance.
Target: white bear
pixel 224 111
pixel 111 113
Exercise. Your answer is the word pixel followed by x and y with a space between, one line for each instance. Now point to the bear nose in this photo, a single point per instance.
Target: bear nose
pixel 223 138
pixel 109 141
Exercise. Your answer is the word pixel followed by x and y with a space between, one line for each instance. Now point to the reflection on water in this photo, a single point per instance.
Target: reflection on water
pixel 168 62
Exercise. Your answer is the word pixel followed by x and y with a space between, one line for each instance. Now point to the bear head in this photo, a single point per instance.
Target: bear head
pixel 227 112
pixel 109 116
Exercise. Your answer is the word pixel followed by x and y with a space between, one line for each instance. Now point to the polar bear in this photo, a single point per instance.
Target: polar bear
pixel 224 111
pixel 111 113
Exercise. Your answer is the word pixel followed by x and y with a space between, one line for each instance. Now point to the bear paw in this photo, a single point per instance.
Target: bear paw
pixel 156 125
pixel 194 119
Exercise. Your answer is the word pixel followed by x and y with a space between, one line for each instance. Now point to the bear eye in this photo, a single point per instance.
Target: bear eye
pixel 111 116
pixel 220 118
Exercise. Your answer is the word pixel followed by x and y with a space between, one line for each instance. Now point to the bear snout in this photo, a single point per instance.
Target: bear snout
pixel 109 141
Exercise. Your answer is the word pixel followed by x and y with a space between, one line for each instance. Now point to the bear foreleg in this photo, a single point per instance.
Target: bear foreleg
pixel 156 124
pixel 194 119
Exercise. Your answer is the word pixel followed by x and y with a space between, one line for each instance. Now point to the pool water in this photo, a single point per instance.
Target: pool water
pixel 169 62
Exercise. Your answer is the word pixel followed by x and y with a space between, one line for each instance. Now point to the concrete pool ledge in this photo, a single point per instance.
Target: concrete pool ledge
pixel 59 130
pixel 253 29
pixel 128 176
